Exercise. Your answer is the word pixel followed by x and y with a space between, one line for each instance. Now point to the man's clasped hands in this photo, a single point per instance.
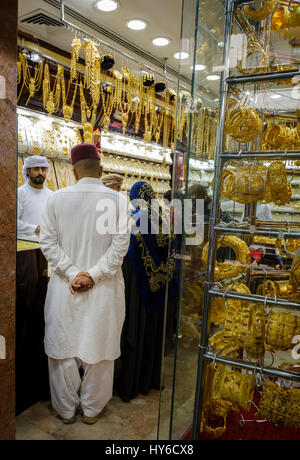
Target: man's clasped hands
pixel 81 283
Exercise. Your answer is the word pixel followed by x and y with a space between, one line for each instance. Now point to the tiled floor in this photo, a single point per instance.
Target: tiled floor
pixel 135 420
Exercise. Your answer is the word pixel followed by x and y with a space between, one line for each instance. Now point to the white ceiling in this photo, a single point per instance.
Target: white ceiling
pixel 163 18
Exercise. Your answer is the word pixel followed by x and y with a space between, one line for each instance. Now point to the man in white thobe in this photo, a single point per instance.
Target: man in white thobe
pixel 32 197
pixel 85 303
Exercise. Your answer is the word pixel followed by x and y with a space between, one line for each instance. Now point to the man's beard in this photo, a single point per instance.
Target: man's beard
pixel 37 180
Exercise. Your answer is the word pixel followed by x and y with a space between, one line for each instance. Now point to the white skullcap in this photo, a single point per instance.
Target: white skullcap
pixel 35 161
pixel 112 180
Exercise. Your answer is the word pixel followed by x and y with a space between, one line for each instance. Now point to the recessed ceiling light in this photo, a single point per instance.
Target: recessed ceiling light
pixel 107 5
pixel 213 77
pixel 136 24
pixel 198 67
pixel 36 57
pixel 275 96
pixel 181 55
pixel 160 41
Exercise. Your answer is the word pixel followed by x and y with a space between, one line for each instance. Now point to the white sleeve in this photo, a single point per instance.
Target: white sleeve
pixel 59 261
pixel 24 227
pixel 111 261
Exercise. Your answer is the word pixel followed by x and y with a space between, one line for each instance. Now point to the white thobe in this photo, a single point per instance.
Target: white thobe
pixel 31 205
pixel 85 325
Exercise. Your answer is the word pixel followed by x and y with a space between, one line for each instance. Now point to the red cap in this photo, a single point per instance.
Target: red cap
pixel 83 152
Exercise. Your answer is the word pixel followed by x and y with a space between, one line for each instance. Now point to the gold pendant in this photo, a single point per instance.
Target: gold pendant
pixel 124 122
pixel 67 112
pixel 50 104
pixel 147 136
pixel 106 122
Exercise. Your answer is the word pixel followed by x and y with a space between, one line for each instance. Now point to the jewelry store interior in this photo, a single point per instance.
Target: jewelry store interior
pixel 200 101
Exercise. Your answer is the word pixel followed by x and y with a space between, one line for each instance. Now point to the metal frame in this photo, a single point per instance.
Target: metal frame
pixel 210 289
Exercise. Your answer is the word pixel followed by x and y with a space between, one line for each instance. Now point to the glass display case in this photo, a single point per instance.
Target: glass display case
pixel 237 359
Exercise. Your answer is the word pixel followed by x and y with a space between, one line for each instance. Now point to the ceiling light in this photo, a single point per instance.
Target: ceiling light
pixel 247 93
pixel 198 67
pixel 221 44
pixel 216 100
pixel 181 55
pixel 136 24
pixel 160 41
pixel 36 57
pixel 275 96
pixel 107 5
pixel 213 77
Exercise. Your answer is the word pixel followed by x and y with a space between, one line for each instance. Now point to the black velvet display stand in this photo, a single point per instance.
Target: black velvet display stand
pixel 32 383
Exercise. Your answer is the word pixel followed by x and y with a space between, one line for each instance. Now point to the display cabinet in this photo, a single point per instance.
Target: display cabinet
pixel 247 301
pixel 131 157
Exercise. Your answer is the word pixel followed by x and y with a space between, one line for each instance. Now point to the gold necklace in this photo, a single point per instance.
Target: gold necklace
pixel 88 116
pixel 67 109
pixel 76 46
pixel 107 106
pixel 51 97
pixel 32 83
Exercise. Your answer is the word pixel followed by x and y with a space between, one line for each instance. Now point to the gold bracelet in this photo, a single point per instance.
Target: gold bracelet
pixel 262 13
pixel 229 270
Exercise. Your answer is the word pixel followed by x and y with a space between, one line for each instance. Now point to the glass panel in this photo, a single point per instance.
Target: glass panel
pixel 253 304
pixel 197 113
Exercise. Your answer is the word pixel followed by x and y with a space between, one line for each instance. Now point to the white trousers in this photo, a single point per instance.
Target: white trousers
pixel 68 390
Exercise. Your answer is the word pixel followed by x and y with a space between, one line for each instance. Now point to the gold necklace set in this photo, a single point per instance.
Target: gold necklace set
pixel 31 83
pixel 52 96
pixel 67 108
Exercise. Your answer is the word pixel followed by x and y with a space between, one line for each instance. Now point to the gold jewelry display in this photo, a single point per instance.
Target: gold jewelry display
pixel 255 345
pixel 223 347
pixel 212 409
pixel 255 182
pixel 281 190
pixel 67 109
pixel 228 270
pixel 50 181
pixel 237 317
pixel 261 64
pixel 280 329
pixel 243 124
pixel 280 406
pixel 76 47
pixel 31 83
pixel 246 185
pixel 281 289
pixel 295 273
pixel 233 386
pixel 88 116
pixel 51 97
pixel 261 13
pixel 280 137
pixel 280 18
pixel 92 66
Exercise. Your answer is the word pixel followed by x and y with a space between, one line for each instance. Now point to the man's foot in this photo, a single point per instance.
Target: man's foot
pixel 66 421
pixel 92 420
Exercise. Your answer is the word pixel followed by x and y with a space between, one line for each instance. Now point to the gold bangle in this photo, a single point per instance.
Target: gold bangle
pixel 262 13
pixel 229 270
pixel 255 346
